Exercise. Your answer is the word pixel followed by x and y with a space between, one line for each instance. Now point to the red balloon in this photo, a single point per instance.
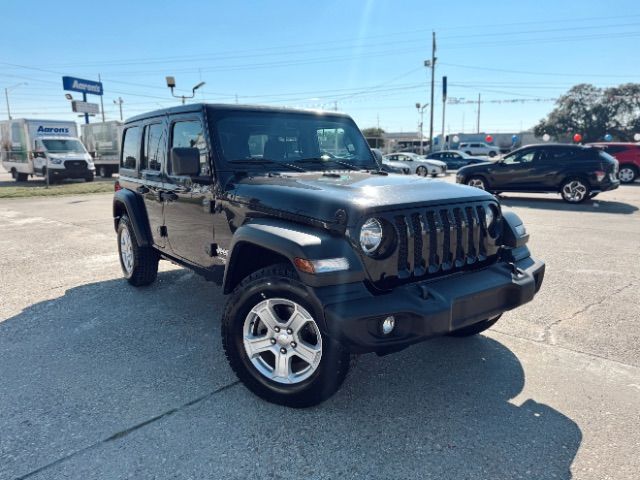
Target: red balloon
pixel 489 138
pixel 577 138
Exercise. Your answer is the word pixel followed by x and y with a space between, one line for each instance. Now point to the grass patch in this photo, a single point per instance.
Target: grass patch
pixel 20 191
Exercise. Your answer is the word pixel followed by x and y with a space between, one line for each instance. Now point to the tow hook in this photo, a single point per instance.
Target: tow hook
pixel 515 271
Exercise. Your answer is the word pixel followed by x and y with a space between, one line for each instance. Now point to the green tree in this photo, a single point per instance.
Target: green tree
pixel 593 112
pixel 374 137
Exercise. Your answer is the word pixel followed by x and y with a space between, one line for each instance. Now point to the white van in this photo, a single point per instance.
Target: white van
pixel 44 148
pixel 102 140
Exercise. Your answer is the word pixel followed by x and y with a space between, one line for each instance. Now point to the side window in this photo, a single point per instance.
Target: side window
pixel 520 157
pixel 130 148
pixel 153 153
pixel 189 134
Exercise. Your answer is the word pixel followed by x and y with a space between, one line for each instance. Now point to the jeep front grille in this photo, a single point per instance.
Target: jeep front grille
pixel 435 241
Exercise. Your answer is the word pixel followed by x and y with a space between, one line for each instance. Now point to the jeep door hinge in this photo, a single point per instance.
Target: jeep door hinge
pixel 209 205
pixel 212 250
pixel 163 231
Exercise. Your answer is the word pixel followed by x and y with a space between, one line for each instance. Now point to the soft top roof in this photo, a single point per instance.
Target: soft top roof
pixel 213 107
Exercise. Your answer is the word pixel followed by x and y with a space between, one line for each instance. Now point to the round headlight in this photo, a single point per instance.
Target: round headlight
pixel 370 236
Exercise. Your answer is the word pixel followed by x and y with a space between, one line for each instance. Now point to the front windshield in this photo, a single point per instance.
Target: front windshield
pixel 306 141
pixel 63 146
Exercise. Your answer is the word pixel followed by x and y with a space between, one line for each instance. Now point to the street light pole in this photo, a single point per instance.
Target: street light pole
pixel 421 110
pixel 119 102
pixel 171 83
pixel 6 95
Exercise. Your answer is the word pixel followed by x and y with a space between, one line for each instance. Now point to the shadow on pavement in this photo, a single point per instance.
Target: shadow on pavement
pixel 78 372
pixel 595 205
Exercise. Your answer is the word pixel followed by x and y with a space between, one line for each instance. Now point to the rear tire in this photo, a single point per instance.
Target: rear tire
pixel 627 174
pixel 263 342
pixel 90 178
pixel 492 154
pixel 476 328
pixel 575 190
pixel 22 177
pixel 139 264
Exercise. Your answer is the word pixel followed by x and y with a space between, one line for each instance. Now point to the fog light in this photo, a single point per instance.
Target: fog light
pixel 388 324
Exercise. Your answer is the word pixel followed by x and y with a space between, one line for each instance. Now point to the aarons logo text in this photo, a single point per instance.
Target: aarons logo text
pixel 58 130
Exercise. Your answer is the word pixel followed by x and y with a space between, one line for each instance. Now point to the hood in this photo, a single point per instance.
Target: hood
pixel 319 195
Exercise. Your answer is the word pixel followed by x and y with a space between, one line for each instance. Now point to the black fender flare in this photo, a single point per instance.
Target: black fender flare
pixel 134 207
pixel 293 241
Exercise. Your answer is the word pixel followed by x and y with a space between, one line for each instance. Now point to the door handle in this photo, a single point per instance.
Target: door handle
pixel 142 190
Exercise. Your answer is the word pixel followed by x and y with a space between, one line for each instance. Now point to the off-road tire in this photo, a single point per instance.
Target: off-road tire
pixel 280 281
pixel 145 259
pixel 476 328
pixel 90 178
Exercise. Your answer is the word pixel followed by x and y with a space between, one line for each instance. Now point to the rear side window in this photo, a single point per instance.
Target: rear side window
pixel 561 154
pixel 190 134
pixel 130 148
pixel 153 147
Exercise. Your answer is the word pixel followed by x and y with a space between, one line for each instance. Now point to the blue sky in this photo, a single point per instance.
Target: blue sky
pixel 366 56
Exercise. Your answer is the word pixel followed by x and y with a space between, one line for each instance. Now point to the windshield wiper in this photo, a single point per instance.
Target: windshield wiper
pixel 266 161
pixel 348 165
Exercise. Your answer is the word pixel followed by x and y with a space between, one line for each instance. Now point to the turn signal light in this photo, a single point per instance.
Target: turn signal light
pixel 116 186
pixel 600 175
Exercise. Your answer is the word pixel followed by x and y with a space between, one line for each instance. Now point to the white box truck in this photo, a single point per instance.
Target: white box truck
pixel 102 140
pixel 44 148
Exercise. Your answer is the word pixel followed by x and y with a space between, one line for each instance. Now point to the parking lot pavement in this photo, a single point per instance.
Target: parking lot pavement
pixel 102 380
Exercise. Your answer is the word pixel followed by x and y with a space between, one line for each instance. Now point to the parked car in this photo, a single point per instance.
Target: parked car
pixel 320 253
pixel 385 167
pixel 628 156
pixel 577 172
pixel 455 158
pixel 415 163
pixel 479 148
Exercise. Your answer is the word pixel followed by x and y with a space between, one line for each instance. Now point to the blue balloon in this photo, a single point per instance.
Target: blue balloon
pixel 608 137
pixel 514 138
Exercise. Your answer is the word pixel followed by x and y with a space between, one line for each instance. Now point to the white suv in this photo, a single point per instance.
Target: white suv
pixel 479 148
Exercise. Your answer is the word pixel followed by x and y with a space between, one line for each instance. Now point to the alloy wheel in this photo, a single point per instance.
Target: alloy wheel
pixel 126 250
pixel 574 191
pixel 282 341
pixel 476 182
pixel 627 175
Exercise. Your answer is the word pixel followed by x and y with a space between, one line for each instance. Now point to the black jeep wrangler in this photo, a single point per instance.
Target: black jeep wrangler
pixel 321 253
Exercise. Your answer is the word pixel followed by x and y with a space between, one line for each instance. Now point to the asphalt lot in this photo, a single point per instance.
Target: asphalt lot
pixel 102 380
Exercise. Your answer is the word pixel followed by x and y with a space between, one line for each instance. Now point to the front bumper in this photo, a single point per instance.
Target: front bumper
pixel 353 315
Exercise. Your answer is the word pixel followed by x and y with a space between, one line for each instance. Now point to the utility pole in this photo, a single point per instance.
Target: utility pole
pixel 101 104
pixel 444 103
pixel 119 102
pixel 433 72
pixel 478 131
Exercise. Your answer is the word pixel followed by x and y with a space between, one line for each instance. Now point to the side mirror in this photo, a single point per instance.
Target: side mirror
pixel 185 161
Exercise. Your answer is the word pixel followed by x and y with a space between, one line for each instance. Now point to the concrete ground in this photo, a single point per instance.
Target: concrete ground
pixel 99 379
